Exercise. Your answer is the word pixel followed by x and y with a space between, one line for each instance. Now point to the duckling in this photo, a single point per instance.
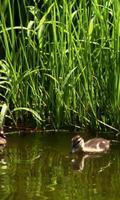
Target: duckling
pixel 3 140
pixel 95 145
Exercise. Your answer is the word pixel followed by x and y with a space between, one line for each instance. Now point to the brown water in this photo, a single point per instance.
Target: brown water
pixel 40 167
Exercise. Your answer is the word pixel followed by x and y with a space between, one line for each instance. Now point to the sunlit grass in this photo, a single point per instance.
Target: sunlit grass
pixel 61 62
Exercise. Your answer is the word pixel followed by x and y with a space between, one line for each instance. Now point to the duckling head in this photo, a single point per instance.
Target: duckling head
pixel 77 143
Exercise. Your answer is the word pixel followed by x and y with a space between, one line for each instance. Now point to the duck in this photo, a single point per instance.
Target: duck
pixel 94 145
pixel 3 140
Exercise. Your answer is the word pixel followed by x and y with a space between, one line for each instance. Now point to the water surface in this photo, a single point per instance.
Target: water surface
pixel 41 167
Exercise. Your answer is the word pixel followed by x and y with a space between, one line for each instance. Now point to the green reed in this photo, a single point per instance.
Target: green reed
pixel 61 62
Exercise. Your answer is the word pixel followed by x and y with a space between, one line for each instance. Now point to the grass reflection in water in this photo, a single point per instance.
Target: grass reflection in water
pixel 40 167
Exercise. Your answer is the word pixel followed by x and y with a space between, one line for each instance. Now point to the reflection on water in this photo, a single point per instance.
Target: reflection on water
pixel 41 167
pixel 78 162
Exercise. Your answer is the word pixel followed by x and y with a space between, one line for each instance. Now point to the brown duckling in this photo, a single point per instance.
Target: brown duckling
pixel 95 145
pixel 3 140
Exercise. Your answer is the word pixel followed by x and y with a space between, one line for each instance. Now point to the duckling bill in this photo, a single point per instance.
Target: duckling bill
pixel 95 145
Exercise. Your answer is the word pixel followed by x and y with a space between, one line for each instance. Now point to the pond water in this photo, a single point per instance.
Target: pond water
pixel 40 167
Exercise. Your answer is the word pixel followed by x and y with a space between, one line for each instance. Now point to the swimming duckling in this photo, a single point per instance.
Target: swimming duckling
pixel 3 140
pixel 95 145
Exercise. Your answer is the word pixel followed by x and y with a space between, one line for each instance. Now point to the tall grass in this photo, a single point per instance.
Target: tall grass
pixel 61 62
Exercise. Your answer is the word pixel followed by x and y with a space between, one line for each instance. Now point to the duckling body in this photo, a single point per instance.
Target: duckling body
pixel 2 139
pixel 95 145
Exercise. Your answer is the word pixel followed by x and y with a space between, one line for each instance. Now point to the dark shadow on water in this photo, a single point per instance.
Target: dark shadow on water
pixel 41 167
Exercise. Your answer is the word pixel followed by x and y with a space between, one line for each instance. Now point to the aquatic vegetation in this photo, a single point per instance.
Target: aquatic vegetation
pixel 3 114
pixel 60 62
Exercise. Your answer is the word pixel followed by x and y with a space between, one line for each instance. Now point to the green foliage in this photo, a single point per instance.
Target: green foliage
pixel 2 114
pixel 61 61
